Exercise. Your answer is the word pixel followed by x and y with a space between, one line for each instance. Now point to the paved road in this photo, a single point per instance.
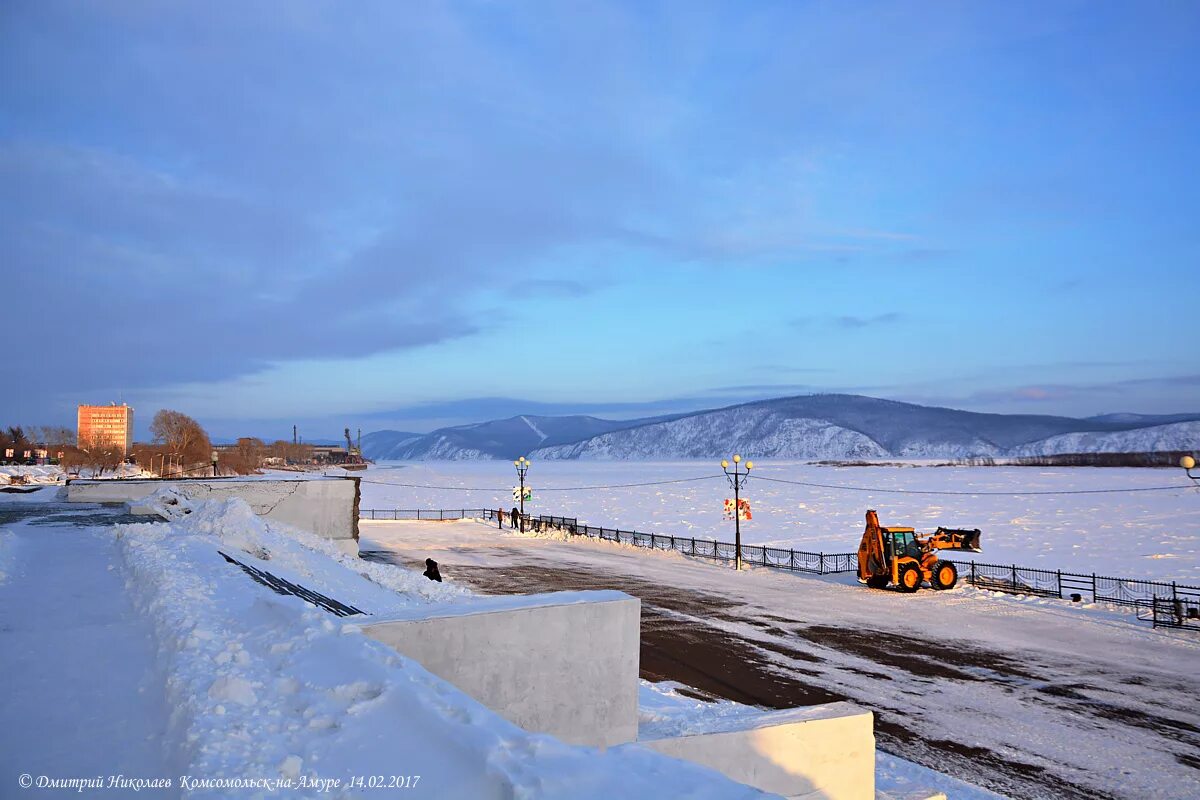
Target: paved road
pixel 1032 700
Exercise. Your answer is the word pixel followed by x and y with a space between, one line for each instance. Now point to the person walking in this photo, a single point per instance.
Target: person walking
pixel 500 518
pixel 516 514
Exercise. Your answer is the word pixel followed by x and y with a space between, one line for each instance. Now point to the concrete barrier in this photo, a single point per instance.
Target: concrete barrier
pixel 825 752
pixel 327 507
pixel 564 663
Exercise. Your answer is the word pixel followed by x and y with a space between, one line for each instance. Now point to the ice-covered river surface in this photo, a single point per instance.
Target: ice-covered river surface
pixel 1142 534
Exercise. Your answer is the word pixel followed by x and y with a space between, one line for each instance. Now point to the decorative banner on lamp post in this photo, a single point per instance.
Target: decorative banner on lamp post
pixel 743 508
pixel 517 493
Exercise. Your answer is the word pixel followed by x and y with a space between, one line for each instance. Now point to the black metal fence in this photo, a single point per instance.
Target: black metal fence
pixel 778 557
pixel 1157 600
pixel 1171 612
pixel 1133 592
pixel 444 514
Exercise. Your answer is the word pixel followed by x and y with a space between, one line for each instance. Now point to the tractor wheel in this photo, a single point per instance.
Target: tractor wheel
pixel 945 575
pixel 909 577
pixel 877 582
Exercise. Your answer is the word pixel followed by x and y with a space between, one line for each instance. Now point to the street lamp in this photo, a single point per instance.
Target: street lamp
pixel 737 480
pixel 522 465
pixel 1188 463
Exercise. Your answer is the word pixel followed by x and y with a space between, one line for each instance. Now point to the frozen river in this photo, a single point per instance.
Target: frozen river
pixel 1143 534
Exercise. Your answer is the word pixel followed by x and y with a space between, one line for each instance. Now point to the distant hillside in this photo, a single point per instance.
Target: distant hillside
pixel 812 426
pixel 502 439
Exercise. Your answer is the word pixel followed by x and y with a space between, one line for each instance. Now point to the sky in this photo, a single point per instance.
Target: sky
pixel 408 215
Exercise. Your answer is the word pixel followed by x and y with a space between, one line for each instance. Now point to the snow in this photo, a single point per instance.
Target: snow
pixel 1152 534
pixel 664 711
pixel 31 474
pixel 139 649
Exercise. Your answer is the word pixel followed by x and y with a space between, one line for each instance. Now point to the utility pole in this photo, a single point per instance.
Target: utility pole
pixel 522 465
pixel 737 480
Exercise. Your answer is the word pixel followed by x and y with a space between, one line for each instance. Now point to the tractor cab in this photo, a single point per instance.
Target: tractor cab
pixel 900 543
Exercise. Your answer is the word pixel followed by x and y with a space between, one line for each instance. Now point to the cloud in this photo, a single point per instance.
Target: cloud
pixel 848 321
pixel 553 287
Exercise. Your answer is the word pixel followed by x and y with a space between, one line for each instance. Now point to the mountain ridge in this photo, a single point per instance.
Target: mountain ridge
pixel 801 426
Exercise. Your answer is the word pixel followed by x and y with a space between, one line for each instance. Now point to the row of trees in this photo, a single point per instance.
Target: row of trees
pixel 249 454
pixel 32 437
pixel 180 446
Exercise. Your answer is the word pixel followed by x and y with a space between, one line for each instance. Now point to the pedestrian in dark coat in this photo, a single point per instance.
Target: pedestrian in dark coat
pixel 516 513
pixel 431 570
pixel 500 518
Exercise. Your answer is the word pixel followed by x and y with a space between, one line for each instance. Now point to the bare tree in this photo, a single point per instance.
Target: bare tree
pixel 99 453
pixel 182 436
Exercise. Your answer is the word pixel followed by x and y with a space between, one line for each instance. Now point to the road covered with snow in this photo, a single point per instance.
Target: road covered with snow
pixel 1026 697
pixel 1143 534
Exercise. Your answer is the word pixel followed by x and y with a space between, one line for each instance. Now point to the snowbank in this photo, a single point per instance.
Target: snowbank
pixel 270 688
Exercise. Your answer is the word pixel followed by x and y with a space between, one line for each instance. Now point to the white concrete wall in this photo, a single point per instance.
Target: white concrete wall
pixel 327 507
pixel 565 663
pixel 825 752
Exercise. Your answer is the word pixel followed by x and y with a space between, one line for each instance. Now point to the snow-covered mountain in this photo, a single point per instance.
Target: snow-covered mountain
pixel 502 438
pixel 810 426
pixel 1174 437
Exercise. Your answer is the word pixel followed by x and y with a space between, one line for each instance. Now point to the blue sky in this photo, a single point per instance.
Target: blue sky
pixel 413 214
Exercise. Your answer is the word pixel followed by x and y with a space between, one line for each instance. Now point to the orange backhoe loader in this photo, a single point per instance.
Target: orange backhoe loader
pixel 906 559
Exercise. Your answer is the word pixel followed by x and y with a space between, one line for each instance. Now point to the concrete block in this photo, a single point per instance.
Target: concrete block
pixel 564 663
pixel 825 752
pixel 327 507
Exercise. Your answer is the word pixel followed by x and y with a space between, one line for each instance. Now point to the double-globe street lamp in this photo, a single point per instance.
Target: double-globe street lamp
pixel 737 479
pixel 522 464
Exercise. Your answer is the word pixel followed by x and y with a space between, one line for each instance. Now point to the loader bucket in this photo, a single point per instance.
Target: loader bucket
pixel 969 541
pixel 958 539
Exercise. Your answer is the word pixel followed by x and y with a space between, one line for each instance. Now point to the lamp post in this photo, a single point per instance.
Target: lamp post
pixel 522 465
pixel 215 455
pixel 1188 463
pixel 737 480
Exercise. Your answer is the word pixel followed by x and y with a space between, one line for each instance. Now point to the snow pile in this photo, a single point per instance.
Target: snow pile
pixel 166 501
pixel 270 688
pixel 31 474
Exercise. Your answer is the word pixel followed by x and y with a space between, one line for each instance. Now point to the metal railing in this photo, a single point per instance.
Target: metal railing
pixel 442 514
pixel 1158 599
pixel 1171 612
pixel 1133 592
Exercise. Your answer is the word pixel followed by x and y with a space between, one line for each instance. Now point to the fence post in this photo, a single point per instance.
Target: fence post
pixel 1014 577
pixel 1094 598
pixel 792 560
pixel 973 583
pixel 821 563
pixel 1058 572
pixel 693 545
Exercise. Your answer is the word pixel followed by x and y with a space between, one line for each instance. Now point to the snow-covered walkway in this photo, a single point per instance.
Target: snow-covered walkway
pixel 139 650
pixel 82 696
pixel 1030 698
